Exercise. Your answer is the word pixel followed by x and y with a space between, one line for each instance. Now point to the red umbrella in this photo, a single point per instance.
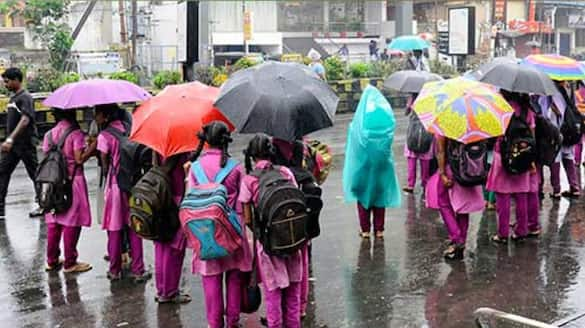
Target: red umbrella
pixel 170 121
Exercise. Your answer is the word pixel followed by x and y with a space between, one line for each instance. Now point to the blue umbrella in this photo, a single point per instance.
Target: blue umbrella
pixel 408 43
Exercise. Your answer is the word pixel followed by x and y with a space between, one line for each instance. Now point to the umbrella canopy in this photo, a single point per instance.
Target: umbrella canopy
pixel 285 100
pixel 557 67
pixel 516 78
pixel 88 93
pixel 410 81
pixel 475 75
pixel 408 43
pixel 170 121
pixel 463 110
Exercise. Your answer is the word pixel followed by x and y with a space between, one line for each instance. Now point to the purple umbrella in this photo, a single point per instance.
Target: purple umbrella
pixel 89 93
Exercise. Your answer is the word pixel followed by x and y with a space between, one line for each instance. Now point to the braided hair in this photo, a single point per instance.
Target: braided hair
pixel 259 148
pixel 217 135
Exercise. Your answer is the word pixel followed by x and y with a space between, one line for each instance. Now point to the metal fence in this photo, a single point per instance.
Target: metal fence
pixel 155 58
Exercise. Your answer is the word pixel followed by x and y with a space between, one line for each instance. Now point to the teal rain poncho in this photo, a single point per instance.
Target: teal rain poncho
pixel 368 174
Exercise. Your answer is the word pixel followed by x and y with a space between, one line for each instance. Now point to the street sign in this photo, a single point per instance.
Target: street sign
pixel 248 27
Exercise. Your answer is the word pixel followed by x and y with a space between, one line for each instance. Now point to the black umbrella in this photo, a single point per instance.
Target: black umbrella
pixel 285 100
pixel 518 78
pixel 495 62
pixel 409 81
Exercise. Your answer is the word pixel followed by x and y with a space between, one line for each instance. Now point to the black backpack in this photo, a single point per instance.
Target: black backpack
pixel 518 147
pixel 548 141
pixel 468 162
pixel 135 160
pixel 418 139
pixel 153 212
pixel 52 177
pixel 572 126
pixel 281 213
pixel 313 200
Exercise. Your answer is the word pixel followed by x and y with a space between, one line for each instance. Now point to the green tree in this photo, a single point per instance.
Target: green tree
pixel 45 19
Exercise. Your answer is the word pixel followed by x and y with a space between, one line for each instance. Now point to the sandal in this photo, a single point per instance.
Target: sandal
pixel 380 234
pixel 555 196
pixel 454 252
pixel 114 277
pixel 534 234
pixel 408 190
pixel 141 278
pixel 365 235
pixel 517 239
pixel 78 268
pixel 177 299
pixel 499 240
pixel 571 194
pixel 50 268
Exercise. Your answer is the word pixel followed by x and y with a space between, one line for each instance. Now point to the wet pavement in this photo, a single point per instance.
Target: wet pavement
pixel 401 281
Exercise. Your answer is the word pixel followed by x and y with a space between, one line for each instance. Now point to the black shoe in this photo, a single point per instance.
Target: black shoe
pixel 2 214
pixel 36 213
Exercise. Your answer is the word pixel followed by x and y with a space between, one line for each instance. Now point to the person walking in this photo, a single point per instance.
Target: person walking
pixel 413 156
pixel 67 225
pixel 116 213
pixel 229 269
pixel 281 276
pixel 21 131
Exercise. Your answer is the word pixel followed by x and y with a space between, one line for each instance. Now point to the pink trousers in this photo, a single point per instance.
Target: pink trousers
pixel 424 172
pixel 503 203
pixel 457 223
pixel 214 298
pixel 115 252
pixel 305 281
pixel 70 239
pixel 168 264
pixel 283 306
pixel 364 217
pixel 533 211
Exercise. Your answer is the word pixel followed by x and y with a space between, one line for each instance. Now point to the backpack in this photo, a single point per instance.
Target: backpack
pixel 318 160
pixel 52 178
pixel 135 160
pixel 518 147
pixel 313 200
pixel 548 141
pixel 418 140
pixel 469 163
pixel 153 212
pixel 281 214
pixel 571 128
pixel 211 226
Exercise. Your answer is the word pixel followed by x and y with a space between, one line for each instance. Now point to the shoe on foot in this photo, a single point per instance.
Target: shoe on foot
pixel 534 234
pixel 55 267
pixel 454 252
pixel 555 195
pixel 177 299
pixel 380 234
pixel 78 268
pixel 36 213
pixel 141 278
pixel 114 277
pixel 365 235
pixel 571 194
pixel 408 190
pixel 107 258
pixel 517 239
pixel 499 240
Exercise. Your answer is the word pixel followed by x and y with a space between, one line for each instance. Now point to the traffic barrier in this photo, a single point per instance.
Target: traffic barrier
pixel 350 92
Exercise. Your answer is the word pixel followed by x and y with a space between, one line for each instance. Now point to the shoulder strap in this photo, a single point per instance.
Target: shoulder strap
pixel 225 171
pixel 115 132
pixel 200 175
pixel 63 137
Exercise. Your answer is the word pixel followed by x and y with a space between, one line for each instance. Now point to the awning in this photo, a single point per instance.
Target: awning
pixel 258 38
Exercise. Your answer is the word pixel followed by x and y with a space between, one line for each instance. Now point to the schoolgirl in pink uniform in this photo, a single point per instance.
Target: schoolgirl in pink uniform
pixel 281 277
pixel 214 272
pixel 68 224
pixel 116 208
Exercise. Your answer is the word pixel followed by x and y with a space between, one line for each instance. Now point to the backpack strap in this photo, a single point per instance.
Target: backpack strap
pixel 59 145
pixel 200 175
pixel 115 132
pixel 225 171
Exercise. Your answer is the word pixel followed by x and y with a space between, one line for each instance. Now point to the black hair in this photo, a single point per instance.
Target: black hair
pixel 13 73
pixel 65 115
pixel 217 135
pixel 111 111
pixel 260 147
pixel 522 99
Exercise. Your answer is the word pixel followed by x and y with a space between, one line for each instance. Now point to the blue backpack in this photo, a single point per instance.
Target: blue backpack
pixel 210 224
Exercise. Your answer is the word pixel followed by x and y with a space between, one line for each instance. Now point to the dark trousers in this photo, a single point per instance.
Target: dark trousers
pixel 9 161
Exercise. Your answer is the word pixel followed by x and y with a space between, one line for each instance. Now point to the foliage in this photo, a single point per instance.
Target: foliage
pixel 48 79
pixel 125 75
pixel 45 19
pixel 219 75
pixel 244 63
pixel 334 68
pixel 164 78
pixel 3 90
pixel 384 69
pixel 359 70
pixel 203 74
pixel 69 77
pixel 442 69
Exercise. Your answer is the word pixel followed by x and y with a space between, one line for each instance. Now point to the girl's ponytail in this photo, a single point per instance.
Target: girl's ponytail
pixel 199 149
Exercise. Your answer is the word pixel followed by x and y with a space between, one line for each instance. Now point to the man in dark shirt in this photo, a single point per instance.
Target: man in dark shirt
pixel 21 135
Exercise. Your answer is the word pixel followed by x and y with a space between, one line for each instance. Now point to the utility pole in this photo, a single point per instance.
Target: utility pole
pixel 134 30
pixel 436 30
pixel 123 32
pixel 246 45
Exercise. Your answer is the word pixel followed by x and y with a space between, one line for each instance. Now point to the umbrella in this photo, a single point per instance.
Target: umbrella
pixel 557 67
pixel 408 43
pixel 170 121
pixel 409 81
pixel 93 92
pixel 285 100
pixel 463 110
pixel 516 78
pixel 488 66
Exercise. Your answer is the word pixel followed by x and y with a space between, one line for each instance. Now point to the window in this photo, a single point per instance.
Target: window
pixel 300 16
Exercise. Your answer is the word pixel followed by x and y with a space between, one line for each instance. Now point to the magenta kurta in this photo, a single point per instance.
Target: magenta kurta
pixel 499 180
pixel 116 208
pixel 463 199
pixel 79 214
pixel 275 272
pixel 242 258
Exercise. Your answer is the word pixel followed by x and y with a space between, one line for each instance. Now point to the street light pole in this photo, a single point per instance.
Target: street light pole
pixel 246 45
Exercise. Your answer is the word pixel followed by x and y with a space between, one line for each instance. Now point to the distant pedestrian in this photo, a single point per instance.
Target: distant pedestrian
pixel 281 276
pixel 67 225
pixel 369 176
pixel 416 61
pixel 316 65
pixel 373 49
pixel 344 52
pixel 21 141
pixel 116 213
pixel 384 56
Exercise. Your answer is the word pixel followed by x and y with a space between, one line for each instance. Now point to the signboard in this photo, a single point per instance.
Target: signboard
pixel 499 14
pixel 248 27
pixel 577 20
pixel 462 31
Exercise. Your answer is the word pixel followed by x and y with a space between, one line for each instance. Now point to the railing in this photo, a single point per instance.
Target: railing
pixel 485 318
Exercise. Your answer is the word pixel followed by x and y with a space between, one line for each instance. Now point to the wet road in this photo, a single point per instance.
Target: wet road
pixel 401 281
